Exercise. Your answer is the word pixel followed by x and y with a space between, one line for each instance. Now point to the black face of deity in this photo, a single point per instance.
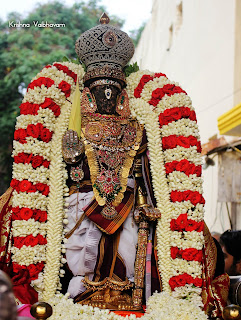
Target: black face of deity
pixel 105 97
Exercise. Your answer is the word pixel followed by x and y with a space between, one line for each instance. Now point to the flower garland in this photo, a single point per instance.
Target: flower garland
pixel 159 306
pixel 39 177
pixel 175 160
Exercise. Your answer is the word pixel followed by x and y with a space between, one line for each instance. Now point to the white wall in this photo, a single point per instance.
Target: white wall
pixel 201 59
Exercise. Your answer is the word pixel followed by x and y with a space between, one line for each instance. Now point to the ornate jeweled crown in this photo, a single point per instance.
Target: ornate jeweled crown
pixel 105 50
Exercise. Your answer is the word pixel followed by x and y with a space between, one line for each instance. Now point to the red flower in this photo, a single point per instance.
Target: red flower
pixel 200 226
pixel 20 135
pixel 19 158
pixel 186 112
pixel 16 213
pixel 157 93
pixel 46 135
pixel 181 221
pixel 144 79
pixel 174 252
pixel 49 103
pixel 19 242
pixel 171 166
pixel 192 254
pixel 199 147
pixel 40 216
pixel 65 88
pixel 137 92
pixel 26 213
pixel 41 239
pixel 158 75
pixel 176 196
pixel 183 165
pixel 43 188
pixel 168 88
pixel 29 108
pixel 193 116
pixel 37 161
pixel 66 70
pixel 169 142
pixel 187 278
pixel 34 270
pixel 47 82
pixel 31 241
pixel 33 130
pixel 173 283
pixel 46 163
pixel 25 185
pixel 198 170
pixel 195 197
pixel 197 282
pixel 181 281
pixel 15 184
pixel 183 142
pixel 192 140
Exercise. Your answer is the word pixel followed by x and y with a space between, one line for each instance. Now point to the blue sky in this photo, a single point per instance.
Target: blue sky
pixel 135 12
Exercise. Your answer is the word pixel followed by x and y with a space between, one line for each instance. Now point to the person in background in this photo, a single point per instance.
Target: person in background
pixel 231 245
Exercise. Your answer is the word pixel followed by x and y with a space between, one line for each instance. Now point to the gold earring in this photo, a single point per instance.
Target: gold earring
pixel 88 103
pixel 122 107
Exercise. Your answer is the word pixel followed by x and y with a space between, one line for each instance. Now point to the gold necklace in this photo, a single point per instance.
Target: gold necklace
pixel 111 144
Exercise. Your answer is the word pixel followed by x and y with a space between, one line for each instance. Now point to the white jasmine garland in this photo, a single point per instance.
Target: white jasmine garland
pixel 159 306
pixel 25 171
pixel 175 100
pixel 23 228
pixel 33 146
pixel 28 255
pixel 189 239
pixel 186 206
pixel 33 95
pixel 183 127
pixel 165 307
pixel 152 85
pixel 45 116
pixel 159 184
pixel 181 182
pixel 134 79
pixel 180 153
pixel 33 200
pixel 180 266
pixel 56 206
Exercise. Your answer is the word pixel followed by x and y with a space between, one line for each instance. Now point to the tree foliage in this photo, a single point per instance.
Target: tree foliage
pixel 25 51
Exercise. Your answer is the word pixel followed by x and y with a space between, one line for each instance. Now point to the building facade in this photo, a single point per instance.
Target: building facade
pixel 198 44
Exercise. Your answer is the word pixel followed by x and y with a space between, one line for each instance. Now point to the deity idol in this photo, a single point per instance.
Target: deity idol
pixel 106 194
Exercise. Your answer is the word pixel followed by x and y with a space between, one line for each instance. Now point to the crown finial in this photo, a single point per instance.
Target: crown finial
pixel 104 19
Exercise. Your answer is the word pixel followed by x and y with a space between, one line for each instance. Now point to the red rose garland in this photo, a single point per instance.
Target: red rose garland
pixel 36 161
pixel 47 82
pixel 175 116
pixel 31 108
pixel 40 133
pixel 144 79
pixel 37 131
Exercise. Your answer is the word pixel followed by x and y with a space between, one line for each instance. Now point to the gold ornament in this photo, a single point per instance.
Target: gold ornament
pixel 232 312
pixel 88 103
pixel 41 310
pixel 122 107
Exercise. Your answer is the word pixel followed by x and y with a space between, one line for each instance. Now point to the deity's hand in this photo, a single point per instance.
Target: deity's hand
pixel 72 147
pixel 146 212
